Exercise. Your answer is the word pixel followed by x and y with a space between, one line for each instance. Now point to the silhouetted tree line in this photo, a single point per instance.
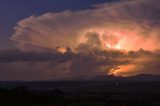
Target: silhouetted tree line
pixel 22 96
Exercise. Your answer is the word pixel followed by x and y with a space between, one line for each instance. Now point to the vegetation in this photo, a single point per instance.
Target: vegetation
pixel 22 96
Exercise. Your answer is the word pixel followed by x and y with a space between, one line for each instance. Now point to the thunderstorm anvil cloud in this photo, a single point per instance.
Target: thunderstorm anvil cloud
pixel 120 38
pixel 132 21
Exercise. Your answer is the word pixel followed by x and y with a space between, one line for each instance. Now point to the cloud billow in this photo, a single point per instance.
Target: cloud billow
pixel 136 19
pixel 99 41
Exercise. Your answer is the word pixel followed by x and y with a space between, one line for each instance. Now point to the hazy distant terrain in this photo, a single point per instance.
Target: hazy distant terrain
pixel 102 91
pixel 23 97
pixel 144 82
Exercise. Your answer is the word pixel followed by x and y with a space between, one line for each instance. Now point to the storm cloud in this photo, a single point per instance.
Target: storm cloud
pixel 18 65
pixel 136 19
pixel 117 38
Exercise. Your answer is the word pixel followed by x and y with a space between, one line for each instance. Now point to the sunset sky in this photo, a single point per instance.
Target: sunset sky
pixel 61 39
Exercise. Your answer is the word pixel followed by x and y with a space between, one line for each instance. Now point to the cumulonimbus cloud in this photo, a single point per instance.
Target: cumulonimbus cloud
pixel 77 43
pixel 136 19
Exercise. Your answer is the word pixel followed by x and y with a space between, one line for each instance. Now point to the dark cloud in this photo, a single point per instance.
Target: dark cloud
pixel 55 65
pixel 93 64
pixel 93 40
pixel 6 44
pixel 17 55
pixel 92 43
pixel 46 70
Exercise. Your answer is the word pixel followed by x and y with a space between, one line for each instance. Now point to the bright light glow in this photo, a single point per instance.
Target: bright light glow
pixel 61 50
pixel 123 70
pixel 117 46
pixel 125 39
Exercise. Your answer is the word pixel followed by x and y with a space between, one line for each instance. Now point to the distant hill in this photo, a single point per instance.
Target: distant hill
pixel 141 77
pixel 145 77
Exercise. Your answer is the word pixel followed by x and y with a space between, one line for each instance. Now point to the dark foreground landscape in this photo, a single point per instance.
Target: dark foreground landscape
pixel 81 93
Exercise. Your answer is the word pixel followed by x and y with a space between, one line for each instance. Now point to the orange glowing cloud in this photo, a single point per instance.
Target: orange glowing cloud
pixel 123 70
pixel 120 26
pixel 61 50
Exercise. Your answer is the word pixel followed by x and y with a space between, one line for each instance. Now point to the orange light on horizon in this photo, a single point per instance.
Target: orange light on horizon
pixel 123 70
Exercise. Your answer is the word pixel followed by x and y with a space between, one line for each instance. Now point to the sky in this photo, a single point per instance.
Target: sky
pixel 71 39
pixel 13 11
